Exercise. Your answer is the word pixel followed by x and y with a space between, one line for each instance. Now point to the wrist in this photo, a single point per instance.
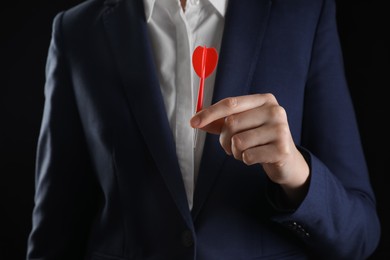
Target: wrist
pixel 297 185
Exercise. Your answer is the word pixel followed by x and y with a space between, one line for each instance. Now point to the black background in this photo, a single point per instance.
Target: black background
pixel 25 28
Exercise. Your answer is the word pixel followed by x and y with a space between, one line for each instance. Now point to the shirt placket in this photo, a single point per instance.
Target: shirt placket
pixel 184 103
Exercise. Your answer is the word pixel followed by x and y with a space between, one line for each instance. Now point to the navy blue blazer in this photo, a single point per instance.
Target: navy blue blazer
pixel 108 183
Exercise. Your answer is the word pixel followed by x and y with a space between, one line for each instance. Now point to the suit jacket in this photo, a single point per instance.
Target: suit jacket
pixel 108 183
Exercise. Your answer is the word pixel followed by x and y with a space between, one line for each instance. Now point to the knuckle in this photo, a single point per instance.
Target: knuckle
pixel 282 131
pixel 222 141
pixel 230 122
pixel 270 97
pixel 231 102
pixel 237 155
pixel 225 144
pixel 238 143
pixel 248 158
pixel 277 112
pixel 282 149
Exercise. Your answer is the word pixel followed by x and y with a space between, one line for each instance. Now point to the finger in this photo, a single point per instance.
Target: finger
pixel 254 118
pixel 264 135
pixel 274 152
pixel 263 154
pixel 214 127
pixel 229 106
pixel 274 144
pixel 237 123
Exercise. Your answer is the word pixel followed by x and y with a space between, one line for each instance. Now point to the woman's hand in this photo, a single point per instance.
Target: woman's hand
pixel 254 129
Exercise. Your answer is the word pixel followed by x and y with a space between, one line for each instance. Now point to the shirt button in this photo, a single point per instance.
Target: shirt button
pixel 187 239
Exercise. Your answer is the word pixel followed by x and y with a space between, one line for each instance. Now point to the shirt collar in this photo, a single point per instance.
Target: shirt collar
pixel 148 6
pixel 219 5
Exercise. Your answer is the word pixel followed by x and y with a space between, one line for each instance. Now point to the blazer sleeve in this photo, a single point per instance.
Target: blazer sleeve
pixel 338 217
pixel 65 188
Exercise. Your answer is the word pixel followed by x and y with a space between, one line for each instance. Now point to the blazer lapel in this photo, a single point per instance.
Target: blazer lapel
pixel 127 32
pixel 245 27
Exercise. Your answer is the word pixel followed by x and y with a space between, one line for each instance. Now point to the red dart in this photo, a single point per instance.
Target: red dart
pixel 204 61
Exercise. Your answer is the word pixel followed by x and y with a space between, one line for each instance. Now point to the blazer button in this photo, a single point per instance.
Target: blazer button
pixel 186 238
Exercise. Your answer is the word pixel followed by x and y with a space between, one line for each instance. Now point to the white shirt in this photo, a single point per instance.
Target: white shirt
pixel 174 36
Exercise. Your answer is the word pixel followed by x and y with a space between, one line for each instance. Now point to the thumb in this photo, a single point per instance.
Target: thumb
pixel 214 127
